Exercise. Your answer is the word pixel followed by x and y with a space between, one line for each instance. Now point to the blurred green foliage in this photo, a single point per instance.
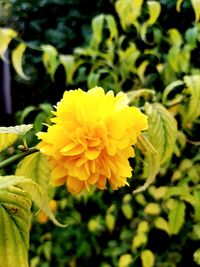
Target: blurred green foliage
pixel 161 226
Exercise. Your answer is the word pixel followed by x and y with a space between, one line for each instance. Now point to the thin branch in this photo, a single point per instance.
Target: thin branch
pixel 16 157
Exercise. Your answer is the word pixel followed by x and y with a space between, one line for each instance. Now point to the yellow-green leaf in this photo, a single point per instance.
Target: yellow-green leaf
pixel 176 216
pixel 158 142
pixel 147 258
pixel 162 224
pixel 178 5
pixel 110 221
pixel 128 11
pixel 6 35
pixel 125 260
pixel 68 63
pixel 143 227
pixel 50 59
pixel 7 140
pixel 97 28
pixel 154 9
pixel 152 209
pixel 192 109
pixel 36 167
pixel 175 37
pixel 6 181
pixel 127 210
pixel 162 130
pixel 196 7
pixel 139 240
pixel 15 220
pixel 18 129
pixel 112 26
pixel 17 56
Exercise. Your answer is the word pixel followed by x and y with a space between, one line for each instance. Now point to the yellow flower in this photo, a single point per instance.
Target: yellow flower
pixel 91 139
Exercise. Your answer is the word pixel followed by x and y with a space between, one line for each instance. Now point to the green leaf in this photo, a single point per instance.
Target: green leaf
pixel 18 129
pixel 6 181
pixel 158 142
pixel 24 183
pixel 178 5
pixel 151 162
pixel 7 140
pixel 93 79
pixel 176 216
pixel 162 224
pixel 70 66
pixel 192 109
pixel 8 135
pixel 97 28
pixel 110 221
pixel 162 130
pixel 15 220
pixel 112 26
pixel 36 167
pixel 147 258
pixel 50 59
pixel 170 88
pixel 17 55
pixel 128 11
pixel 196 7
pixel 175 37
pixel 6 35
pixel 154 9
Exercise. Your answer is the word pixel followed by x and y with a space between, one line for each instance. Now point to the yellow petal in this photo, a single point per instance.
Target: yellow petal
pixel 74 185
pixel 92 153
pixel 72 150
pixel 58 182
pixel 59 172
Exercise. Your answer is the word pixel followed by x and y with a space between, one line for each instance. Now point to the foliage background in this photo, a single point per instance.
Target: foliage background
pixel 115 228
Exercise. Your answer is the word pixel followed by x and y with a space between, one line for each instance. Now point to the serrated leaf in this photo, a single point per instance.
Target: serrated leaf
pixel 196 7
pixel 162 224
pixel 154 9
pixel 192 109
pixel 36 167
pixel 15 219
pixel 147 258
pixel 158 141
pixel 10 180
pixel 50 59
pixel 6 35
pixel 151 163
pixel 24 183
pixel 162 130
pixel 17 56
pixel 18 129
pixel 176 216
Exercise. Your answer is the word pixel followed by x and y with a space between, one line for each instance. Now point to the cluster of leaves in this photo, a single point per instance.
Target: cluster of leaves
pixel 160 74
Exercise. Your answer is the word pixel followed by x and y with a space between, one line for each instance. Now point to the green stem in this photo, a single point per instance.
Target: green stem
pixel 32 46
pixel 16 157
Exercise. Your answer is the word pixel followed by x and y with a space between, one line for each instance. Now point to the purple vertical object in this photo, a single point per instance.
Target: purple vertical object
pixel 6 87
